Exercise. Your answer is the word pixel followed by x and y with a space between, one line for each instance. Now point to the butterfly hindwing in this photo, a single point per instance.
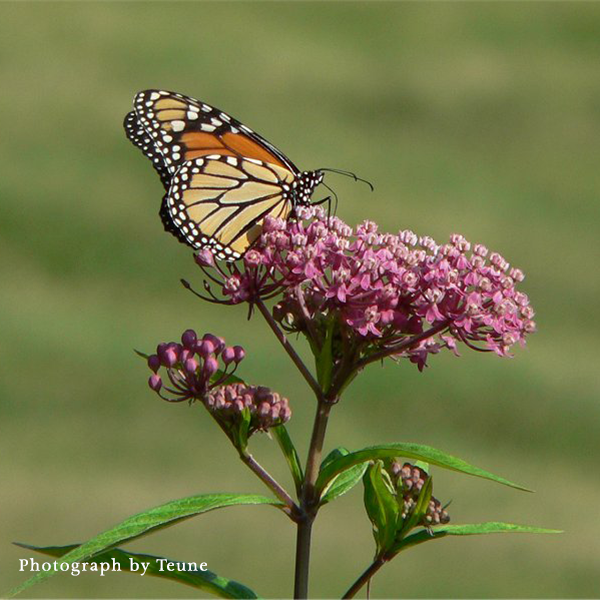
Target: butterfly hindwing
pixel 220 202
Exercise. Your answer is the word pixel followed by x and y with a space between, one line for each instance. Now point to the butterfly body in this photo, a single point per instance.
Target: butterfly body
pixel 222 179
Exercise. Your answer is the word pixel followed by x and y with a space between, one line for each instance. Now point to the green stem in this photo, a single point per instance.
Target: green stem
pixel 292 509
pixel 365 577
pixel 316 388
pixel 302 557
pixel 309 501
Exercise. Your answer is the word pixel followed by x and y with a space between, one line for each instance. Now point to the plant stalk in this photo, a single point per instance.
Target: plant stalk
pixel 312 382
pixel 365 577
pixel 302 557
pixel 292 509
pixel 309 501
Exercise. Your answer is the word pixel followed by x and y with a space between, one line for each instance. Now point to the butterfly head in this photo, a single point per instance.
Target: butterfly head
pixel 305 185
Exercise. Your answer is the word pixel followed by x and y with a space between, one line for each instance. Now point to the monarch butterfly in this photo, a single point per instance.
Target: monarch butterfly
pixel 222 179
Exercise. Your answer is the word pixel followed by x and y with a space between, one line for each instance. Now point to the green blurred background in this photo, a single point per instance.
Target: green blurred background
pixel 482 119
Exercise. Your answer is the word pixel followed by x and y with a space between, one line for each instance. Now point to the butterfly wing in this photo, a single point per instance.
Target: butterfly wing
pixel 219 202
pixel 138 137
pixel 183 128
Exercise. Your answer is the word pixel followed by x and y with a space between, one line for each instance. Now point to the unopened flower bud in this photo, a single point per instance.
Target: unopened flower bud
pixel 190 365
pixel 228 355
pixel 205 258
pixel 167 354
pixel 154 362
pixel 189 338
pixel 240 353
pixel 205 348
pixel 211 366
pixel 155 382
pixel 217 342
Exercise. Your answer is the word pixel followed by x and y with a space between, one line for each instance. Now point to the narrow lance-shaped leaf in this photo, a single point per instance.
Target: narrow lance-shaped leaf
pixel 441 531
pixel 289 452
pixel 419 510
pixel 151 520
pixel 344 482
pixel 156 566
pixel 408 450
pixel 382 506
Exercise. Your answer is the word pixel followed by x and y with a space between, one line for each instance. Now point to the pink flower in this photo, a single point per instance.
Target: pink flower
pixel 381 289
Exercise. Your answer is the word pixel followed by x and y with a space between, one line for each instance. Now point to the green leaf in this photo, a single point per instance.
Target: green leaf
pixel 240 431
pixel 148 521
pixel 343 482
pixel 229 379
pixel 408 450
pixel 441 531
pixel 333 455
pixel 206 581
pixel 420 509
pixel 291 456
pixel 423 465
pixel 142 354
pixel 382 507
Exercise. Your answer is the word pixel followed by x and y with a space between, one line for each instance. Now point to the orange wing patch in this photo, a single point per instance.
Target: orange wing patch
pixel 243 146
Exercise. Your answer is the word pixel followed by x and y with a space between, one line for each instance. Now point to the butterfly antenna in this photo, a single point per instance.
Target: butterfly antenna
pixel 335 197
pixel 349 174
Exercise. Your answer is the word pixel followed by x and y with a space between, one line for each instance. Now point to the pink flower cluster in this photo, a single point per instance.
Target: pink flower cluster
pixel 192 367
pixel 388 291
pixel 409 481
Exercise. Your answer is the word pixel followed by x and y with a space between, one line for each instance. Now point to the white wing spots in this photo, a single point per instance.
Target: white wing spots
pixel 192 116
pixel 204 127
pixel 231 160
pixel 224 117
pixel 234 129
pixel 206 108
pixel 167 138
pixel 154 96
pixel 178 125
pixel 216 122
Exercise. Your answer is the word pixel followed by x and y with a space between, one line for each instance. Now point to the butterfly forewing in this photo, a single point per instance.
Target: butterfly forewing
pixel 138 136
pixel 184 128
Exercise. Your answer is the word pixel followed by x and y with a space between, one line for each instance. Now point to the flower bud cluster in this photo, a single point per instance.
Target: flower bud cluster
pixel 409 481
pixel 201 369
pixel 192 367
pixel 267 409
pixel 388 291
